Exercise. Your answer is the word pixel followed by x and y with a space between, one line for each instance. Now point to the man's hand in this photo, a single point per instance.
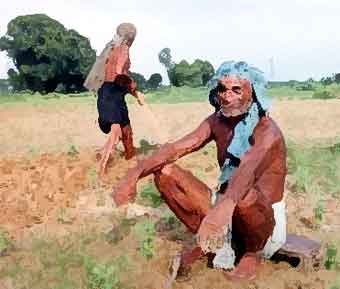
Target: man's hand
pixel 140 97
pixel 125 192
pixel 212 230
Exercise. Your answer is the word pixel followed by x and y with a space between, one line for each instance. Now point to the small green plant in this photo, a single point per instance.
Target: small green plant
pixel 104 276
pixel 72 152
pixel 319 211
pixel 119 232
pixel 61 215
pixel 146 233
pixel 92 177
pixel 5 242
pixel 34 151
pixel 331 254
pixel 151 196
pixel 170 220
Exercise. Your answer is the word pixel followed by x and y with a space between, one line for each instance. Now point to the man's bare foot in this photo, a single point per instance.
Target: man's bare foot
pixel 246 269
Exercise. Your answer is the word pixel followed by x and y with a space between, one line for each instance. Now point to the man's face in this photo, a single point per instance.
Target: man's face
pixel 235 95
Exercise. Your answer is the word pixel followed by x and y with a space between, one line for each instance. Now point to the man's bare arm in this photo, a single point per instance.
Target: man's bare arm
pixel 260 154
pixel 169 153
pixel 214 224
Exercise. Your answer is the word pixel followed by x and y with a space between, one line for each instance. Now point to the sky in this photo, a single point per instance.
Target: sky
pixel 301 37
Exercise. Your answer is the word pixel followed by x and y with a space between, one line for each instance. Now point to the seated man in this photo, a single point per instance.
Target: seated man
pixel 237 222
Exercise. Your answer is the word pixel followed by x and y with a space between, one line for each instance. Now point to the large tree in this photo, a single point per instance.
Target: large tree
pixel 154 81
pixel 46 55
pixel 140 80
pixel 194 75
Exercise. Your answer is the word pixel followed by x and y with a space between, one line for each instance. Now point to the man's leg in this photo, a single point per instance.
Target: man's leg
pixel 127 139
pixel 188 198
pixel 253 224
pixel 114 137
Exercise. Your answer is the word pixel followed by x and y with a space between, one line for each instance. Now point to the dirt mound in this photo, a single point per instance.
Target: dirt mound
pixel 39 190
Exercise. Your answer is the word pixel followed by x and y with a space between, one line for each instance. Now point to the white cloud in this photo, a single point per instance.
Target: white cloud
pixel 301 35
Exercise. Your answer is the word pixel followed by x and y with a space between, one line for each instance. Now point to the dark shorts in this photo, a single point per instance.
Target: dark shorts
pixel 105 126
pixel 112 108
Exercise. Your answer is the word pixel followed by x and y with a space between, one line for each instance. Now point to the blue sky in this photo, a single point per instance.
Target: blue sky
pixel 301 36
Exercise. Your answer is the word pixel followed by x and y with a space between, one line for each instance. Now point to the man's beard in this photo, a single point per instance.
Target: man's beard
pixel 236 111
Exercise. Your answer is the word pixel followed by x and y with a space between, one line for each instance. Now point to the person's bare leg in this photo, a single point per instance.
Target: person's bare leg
pixel 114 137
pixel 186 195
pixel 127 139
pixel 253 223
pixel 189 199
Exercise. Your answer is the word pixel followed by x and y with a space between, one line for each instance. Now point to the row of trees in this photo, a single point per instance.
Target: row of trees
pixel 335 78
pixel 152 83
pixel 194 75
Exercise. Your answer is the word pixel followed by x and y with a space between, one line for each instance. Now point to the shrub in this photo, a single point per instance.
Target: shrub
pixel 323 94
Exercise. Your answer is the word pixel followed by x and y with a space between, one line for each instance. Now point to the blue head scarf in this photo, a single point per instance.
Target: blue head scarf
pixel 244 129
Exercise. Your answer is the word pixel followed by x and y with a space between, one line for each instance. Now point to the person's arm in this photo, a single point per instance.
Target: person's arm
pixel 116 65
pixel 266 139
pixel 214 225
pixel 122 67
pixel 126 190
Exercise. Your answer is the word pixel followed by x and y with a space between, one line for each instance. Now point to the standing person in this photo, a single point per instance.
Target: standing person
pixel 109 77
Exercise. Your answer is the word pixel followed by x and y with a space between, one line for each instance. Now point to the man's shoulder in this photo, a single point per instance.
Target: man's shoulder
pixel 268 128
pixel 213 118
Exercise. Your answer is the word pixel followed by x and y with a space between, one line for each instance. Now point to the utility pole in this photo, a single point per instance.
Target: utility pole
pixel 271 68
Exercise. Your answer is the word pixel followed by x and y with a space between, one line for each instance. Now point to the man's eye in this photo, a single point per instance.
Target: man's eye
pixel 237 90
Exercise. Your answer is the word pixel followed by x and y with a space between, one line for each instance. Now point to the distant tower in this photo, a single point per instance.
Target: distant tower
pixel 271 68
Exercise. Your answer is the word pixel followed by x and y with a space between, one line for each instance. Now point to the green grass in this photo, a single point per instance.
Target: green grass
pixel 146 233
pixel 66 262
pixel 289 92
pixel 104 275
pixel 318 92
pixel 178 95
pixel 315 169
pixel 331 262
pixel 166 95
pixel 52 99
pixel 149 196
pixel 5 242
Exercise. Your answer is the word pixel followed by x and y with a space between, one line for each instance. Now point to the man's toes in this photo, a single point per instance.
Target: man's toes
pixel 240 275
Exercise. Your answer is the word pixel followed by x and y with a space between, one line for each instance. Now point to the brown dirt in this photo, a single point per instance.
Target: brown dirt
pixel 43 188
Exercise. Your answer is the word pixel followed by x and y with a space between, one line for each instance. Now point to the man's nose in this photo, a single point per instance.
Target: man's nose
pixel 228 96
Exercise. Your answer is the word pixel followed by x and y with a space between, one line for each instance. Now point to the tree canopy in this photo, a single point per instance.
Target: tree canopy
pixel 46 55
pixel 154 81
pixel 193 75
